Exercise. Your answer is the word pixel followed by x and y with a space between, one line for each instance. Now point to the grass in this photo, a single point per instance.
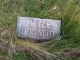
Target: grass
pixel 68 11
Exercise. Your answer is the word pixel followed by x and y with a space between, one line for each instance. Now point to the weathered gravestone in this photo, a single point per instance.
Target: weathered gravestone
pixel 38 29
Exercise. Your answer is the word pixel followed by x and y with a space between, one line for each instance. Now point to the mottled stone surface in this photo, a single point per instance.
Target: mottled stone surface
pixel 38 29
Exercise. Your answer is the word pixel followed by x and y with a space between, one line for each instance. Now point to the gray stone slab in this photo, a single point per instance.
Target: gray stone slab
pixel 37 28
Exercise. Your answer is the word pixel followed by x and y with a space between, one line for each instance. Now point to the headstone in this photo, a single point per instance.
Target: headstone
pixel 37 28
